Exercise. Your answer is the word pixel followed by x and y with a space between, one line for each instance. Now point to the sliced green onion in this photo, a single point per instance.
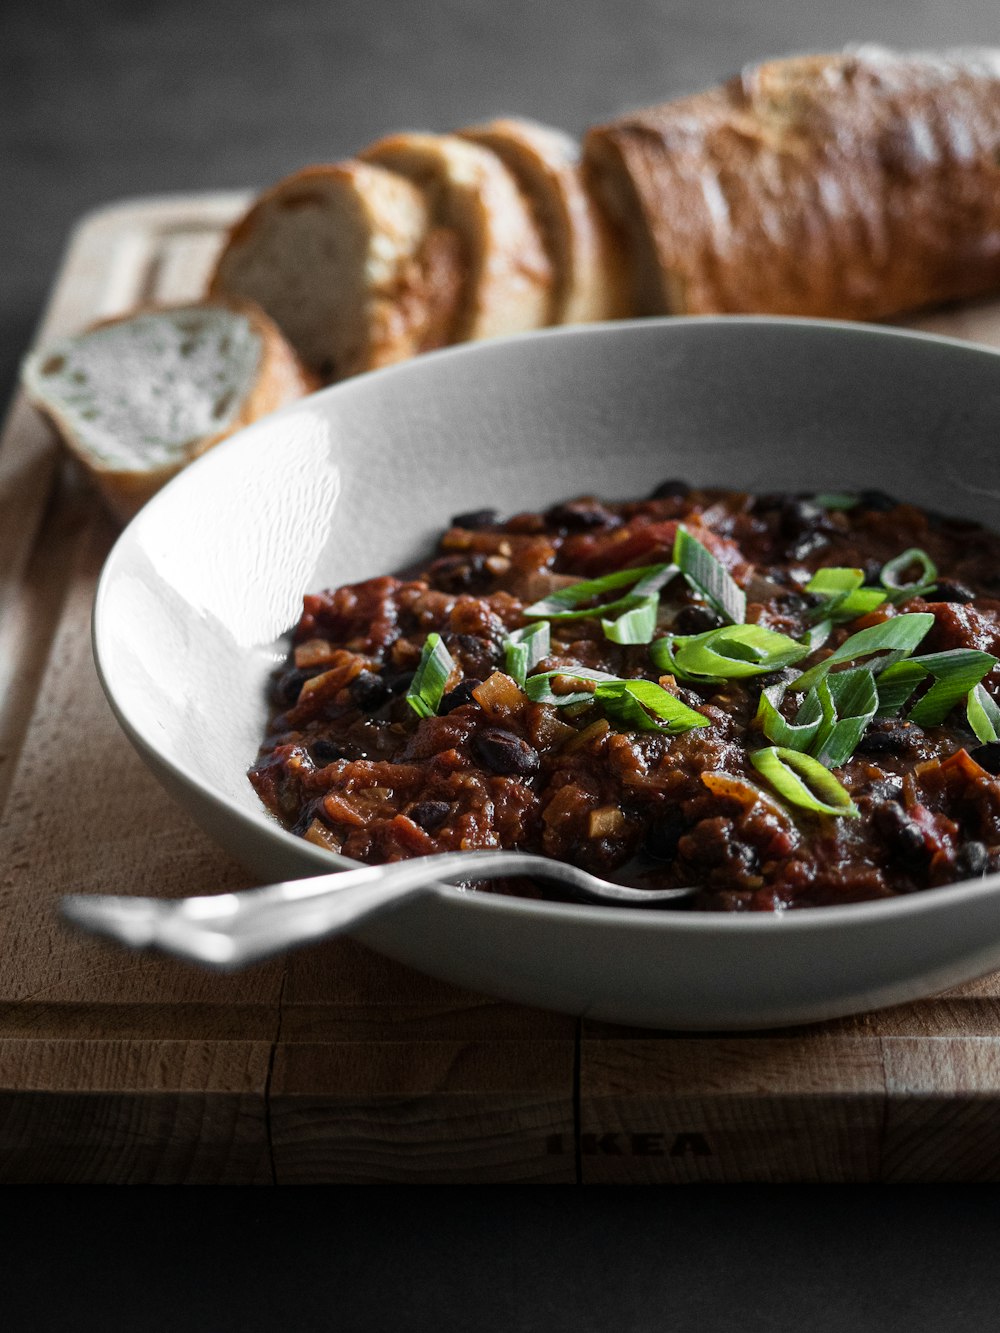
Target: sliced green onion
pixel 785 770
pixel 983 715
pixel 816 636
pixel 855 698
pixel 892 571
pixel 844 597
pixel 732 652
pixel 815 711
pixel 835 500
pixel 525 648
pixel 565 604
pixel 955 674
pixel 895 685
pixel 539 690
pixel 628 702
pixel 835 580
pixel 897 636
pixel 430 678
pixel 700 567
pixel 636 624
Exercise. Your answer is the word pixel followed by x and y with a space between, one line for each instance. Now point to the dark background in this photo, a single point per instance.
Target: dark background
pixel 115 99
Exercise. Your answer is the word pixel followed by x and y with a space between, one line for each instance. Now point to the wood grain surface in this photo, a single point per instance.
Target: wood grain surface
pixel 336 1065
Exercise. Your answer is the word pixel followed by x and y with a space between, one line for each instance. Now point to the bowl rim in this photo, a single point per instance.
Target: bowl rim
pixel 794 921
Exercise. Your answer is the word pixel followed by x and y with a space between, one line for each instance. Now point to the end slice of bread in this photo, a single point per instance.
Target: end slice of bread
pixel 590 279
pixel 137 398
pixel 345 260
pixel 469 191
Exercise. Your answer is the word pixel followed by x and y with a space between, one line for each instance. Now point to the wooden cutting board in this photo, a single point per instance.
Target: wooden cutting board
pixel 336 1064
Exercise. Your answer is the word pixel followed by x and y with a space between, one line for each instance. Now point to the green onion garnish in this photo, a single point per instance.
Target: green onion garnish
pixel 831 719
pixel 855 700
pixel 566 604
pixel 700 567
pixel 803 780
pixel 525 648
pixel 955 673
pixel 844 597
pixel 539 689
pixel 983 715
pixel 817 635
pixel 731 652
pixel 627 702
pixel 896 637
pixel 893 570
pixel 430 678
pixel 815 710
pixel 636 624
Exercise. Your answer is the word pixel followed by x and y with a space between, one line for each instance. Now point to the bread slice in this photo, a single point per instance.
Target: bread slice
pixel 137 398
pixel 346 262
pixel 856 185
pixel 508 276
pixel 589 272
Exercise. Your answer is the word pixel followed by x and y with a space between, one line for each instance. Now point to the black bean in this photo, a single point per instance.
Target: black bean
pixel 805 545
pixel 972 861
pixel 890 737
pixel 674 489
pixel 397 682
pixel 802 518
pixel 476 519
pixel 742 856
pixel 503 752
pixel 461 694
pixel 323 752
pixel 880 501
pixel 873 573
pixel 306 816
pixel 286 688
pixel 904 837
pixel 882 789
pixel 430 815
pixel 368 691
pixel 988 757
pixel 696 620
pixel 461 573
pixel 768 500
pixel 949 590
pixel 580 516
pixel 664 834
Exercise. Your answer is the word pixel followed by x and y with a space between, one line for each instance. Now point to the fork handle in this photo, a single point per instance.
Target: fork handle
pixel 232 929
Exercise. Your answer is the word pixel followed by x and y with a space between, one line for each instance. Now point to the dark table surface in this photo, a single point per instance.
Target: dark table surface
pixel 115 99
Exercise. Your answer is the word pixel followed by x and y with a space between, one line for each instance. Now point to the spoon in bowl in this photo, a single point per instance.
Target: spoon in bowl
pixel 230 930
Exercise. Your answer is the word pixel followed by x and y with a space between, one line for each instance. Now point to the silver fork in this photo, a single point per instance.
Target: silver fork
pixel 228 930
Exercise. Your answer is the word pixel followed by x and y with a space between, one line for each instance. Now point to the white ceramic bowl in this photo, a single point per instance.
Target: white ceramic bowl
pixel 358 480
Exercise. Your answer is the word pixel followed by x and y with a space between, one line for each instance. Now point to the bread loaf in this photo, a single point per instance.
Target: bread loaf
pixel 856 185
pixel 507 275
pixel 345 260
pixel 137 398
pixel 588 272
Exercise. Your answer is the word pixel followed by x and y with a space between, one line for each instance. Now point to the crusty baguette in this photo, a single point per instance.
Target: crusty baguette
pixel 344 259
pixel 589 277
pixel 856 185
pixel 137 398
pixel 508 276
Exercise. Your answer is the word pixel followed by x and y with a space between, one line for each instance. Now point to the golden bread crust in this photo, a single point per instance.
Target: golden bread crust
pixel 857 186
pixel 589 277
